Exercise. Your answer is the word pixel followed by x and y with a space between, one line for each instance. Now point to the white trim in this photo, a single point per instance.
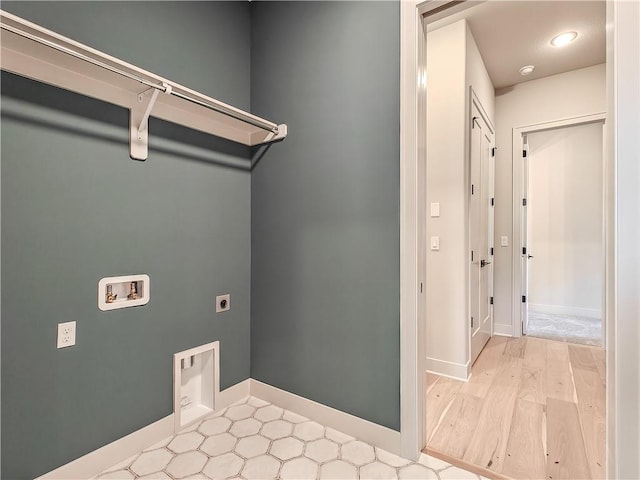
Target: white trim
pixel 458 371
pixel 365 430
pixel 564 122
pixel 233 394
pixel 502 330
pixel 97 461
pixel 609 304
pixel 412 233
pixel 516 160
pixel 623 237
pixel 565 310
pixel 94 463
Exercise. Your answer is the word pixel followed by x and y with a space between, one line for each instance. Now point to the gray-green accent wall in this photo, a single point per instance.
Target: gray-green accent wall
pixel 75 209
pixel 307 242
pixel 325 272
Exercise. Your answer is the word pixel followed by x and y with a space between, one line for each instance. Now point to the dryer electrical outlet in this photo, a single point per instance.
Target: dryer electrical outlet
pixel 223 303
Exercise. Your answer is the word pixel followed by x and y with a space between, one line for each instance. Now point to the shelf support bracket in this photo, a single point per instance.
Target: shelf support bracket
pixel 139 122
pixel 262 137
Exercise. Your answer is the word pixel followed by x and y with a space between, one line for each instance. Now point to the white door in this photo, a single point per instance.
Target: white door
pixel 524 235
pixel 481 206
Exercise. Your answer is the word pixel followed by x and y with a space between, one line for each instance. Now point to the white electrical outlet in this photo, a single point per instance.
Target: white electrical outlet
pixel 66 334
pixel 223 303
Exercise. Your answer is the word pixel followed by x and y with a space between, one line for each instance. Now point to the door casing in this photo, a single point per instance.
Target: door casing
pixel 623 99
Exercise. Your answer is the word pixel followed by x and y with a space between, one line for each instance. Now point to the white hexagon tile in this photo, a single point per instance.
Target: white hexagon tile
pixel 253 439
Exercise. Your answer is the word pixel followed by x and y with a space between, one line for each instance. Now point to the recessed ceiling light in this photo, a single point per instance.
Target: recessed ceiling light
pixel 526 70
pixel 563 39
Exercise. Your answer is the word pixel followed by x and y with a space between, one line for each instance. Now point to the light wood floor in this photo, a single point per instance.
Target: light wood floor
pixel 533 408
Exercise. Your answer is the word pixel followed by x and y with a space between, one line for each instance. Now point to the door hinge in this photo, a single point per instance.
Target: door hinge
pixel 490 300
pixel 524 250
pixel 472 255
pixel 472 189
pixel 491 250
pixel 524 299
pixel 524 154
pixel 493 201
pixel 471 322
pixel 420 287
pixel 473 122
pixel 524 202
pixel 493 151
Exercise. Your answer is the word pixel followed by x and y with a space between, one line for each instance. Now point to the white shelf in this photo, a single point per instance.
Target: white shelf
pixel 32 51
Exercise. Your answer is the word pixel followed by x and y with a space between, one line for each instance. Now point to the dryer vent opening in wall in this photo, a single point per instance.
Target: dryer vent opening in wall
pixel 196 383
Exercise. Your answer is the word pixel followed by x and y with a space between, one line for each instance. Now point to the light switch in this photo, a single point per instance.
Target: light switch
pixel 435 243
pixel 435 209
pixel 504 241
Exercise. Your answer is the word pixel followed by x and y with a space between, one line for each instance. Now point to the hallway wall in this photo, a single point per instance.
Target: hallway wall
pixel 454 65
pixel 76 208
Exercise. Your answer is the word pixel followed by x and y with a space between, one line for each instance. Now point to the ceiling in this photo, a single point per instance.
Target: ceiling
pixel 511 34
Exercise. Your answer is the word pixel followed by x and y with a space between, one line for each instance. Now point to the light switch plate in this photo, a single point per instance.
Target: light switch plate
pixel 504 241
pixel 435 243
pixel 435 209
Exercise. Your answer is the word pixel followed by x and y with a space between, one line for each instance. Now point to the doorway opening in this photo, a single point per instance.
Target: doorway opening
pixel 487 385
pixel 563 231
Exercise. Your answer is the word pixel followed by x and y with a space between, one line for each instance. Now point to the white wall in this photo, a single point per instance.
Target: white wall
pixel 478 77
pixel 571 94
pixel 445 295
pixel 453 64
pixel 564 213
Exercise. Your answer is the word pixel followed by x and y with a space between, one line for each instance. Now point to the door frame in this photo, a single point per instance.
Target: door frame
pixel 518 133
pixel 413 212
pixel 622 198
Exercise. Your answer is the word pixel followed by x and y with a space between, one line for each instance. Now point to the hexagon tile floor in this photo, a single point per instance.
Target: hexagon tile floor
pixel 253 439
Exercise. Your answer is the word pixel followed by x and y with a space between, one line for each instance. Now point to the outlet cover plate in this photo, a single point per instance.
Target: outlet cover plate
pixel 223 303
pixel 66 334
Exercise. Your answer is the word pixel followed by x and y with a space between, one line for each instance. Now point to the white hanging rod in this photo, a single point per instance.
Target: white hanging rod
pixel 164 87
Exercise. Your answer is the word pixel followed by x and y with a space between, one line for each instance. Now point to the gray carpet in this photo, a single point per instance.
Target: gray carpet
pixel 566 328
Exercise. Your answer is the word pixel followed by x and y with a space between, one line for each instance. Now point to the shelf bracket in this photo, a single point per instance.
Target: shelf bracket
pixel 139 122
pixel 262 137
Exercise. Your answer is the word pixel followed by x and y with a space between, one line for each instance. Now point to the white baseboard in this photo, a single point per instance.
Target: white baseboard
pixel 94 463
pixel 357 427
pixel 565 310
pixel 457 371
pixel 503 330
pixel 233 394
